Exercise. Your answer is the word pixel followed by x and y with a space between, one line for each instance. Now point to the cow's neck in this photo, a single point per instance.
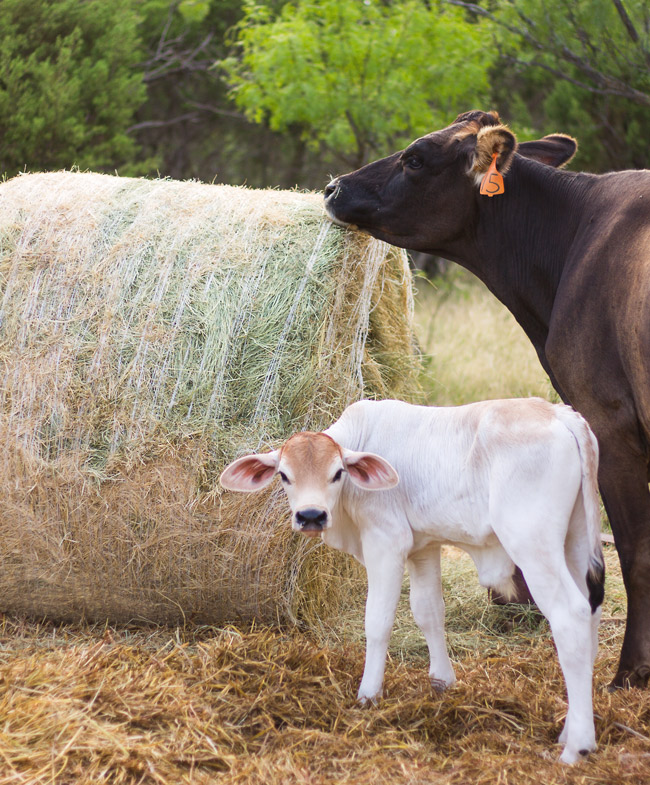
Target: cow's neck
pixel 521 240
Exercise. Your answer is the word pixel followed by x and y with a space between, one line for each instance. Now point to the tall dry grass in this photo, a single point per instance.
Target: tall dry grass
pixel 473 347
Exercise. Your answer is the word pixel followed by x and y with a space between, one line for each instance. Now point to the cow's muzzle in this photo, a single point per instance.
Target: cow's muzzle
pixel 331 193
pixel 332 189
pixel 311 521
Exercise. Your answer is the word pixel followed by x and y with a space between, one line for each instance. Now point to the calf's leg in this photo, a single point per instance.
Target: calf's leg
pixel 569 615
pixel 385 569
pixel 428 609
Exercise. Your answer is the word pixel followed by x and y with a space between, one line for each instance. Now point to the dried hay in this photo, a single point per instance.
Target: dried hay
pixel 151 331
pixel 201 706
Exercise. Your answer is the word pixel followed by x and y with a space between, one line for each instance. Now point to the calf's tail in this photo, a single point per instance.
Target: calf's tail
pixel 588 449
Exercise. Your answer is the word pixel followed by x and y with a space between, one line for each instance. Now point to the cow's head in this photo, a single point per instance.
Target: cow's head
pixel 312 467
pixel 424 197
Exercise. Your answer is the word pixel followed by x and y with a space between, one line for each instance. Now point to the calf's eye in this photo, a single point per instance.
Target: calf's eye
pixel 338 475
pixel 284 478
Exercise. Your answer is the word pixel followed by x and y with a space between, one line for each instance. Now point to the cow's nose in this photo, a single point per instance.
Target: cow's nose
pixel 311 518
pixel 331 189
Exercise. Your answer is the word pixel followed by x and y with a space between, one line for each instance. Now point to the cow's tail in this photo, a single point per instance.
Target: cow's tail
pixel 588 448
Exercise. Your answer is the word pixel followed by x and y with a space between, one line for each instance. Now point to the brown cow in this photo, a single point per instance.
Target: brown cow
pixel 569 255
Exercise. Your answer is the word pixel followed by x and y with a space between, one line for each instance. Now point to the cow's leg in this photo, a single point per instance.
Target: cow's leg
pixel 385 569
pixel 429 612
pixel 624 488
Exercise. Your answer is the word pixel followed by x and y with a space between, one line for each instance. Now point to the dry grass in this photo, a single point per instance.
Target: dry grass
pixel 202 705
pixel 247 706
pixel 474 349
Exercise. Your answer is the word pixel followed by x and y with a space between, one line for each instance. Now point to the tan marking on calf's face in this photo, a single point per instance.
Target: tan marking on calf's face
pixel 310 461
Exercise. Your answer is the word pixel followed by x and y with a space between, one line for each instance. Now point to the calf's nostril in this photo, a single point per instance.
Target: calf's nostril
pixel 311 517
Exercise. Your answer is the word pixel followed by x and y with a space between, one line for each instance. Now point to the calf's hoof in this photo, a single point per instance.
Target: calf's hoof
pixel 438 685
pixel 571 756
pixel 368 700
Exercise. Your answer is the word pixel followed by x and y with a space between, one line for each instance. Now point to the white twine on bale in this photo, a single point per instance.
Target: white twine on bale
pixel 238 327
pixel 263 404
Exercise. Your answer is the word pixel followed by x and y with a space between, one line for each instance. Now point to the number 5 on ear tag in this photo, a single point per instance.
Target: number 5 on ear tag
pixel 492 183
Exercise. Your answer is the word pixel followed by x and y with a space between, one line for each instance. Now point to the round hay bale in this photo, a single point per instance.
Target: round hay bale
pixel 150 332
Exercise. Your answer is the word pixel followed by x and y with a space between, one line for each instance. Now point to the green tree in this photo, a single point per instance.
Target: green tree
pixel 69 85
pixel 356 78
pixel 580 66
pixel 188 125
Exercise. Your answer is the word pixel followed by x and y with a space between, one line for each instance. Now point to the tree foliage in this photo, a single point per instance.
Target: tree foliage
pixel 582 66
pixel 356 77
pixel 187 106
pixel 306 87
pixel 69 85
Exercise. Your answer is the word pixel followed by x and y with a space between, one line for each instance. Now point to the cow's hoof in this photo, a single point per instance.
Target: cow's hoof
pixel 626 679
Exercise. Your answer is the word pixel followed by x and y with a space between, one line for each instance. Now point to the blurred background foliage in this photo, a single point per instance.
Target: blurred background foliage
pixel 275 93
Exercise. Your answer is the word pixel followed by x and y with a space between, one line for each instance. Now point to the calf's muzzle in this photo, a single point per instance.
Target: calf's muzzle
pixel 311 520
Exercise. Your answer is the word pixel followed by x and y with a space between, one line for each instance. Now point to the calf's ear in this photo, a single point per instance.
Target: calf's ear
pixel 553 150
pixel 250 473
pixel 369 471
pixel 490 141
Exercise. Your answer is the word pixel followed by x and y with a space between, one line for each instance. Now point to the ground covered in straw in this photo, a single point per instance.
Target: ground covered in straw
pixel 201 705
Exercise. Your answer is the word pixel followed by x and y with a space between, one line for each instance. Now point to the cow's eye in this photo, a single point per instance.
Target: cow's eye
pixel 284 478
pixel 413 162
pixel 338 475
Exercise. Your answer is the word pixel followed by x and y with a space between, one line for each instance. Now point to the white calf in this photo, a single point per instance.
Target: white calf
pixel 510 482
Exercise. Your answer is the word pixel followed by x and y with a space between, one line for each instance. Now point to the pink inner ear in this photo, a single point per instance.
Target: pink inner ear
pixel 371 472
pixel 359 472
pixel 250 473
pixel 254 472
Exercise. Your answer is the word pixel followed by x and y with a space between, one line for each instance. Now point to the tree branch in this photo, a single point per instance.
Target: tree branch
pixel 187 117
pixel 218 111
pixel 623 91
pixel 627 22
pixel 606 84
pixel 162 123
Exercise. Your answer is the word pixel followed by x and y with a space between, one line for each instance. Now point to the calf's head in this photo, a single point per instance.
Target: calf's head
pixel 313 468
pixel 425 196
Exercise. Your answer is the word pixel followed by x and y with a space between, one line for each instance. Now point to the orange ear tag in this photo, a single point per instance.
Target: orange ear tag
pixel 492 183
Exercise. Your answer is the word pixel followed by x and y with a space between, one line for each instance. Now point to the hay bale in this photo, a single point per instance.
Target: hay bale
pixel 150 332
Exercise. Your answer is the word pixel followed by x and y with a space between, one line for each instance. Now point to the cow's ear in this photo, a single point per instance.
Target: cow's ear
pixel 490 141
pixel 553 150
pixel 369 471
pixel 250 473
